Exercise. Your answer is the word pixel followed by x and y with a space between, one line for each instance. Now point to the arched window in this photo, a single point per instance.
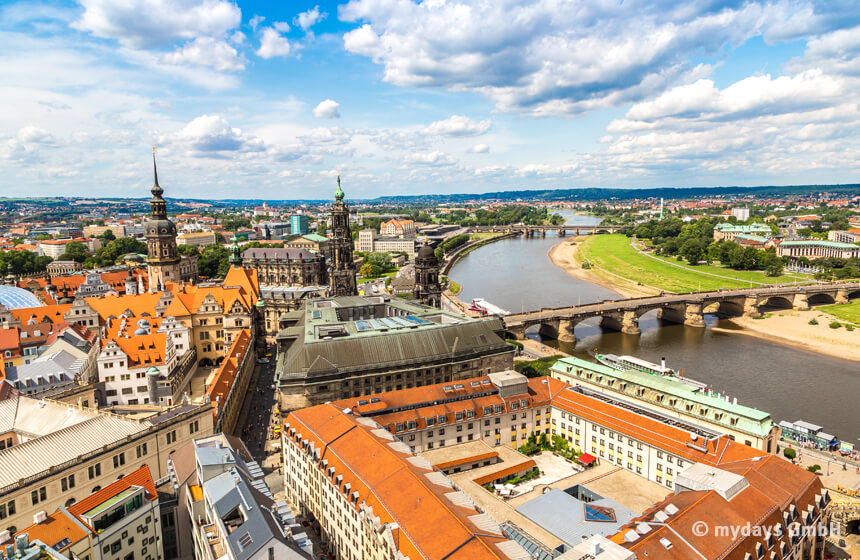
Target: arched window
pixel 70 501
pixel 96 489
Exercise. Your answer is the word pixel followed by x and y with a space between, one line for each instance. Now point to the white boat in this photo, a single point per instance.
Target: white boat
pixel 486 308
pixel 632 362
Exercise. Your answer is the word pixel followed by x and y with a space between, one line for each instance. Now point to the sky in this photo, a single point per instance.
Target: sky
pixel 272 100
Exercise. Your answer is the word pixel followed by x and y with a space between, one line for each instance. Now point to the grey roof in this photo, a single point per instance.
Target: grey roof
pixel 46 371
pixel 16 298
pixel 564 516
pixel 61 434
pixel 289 253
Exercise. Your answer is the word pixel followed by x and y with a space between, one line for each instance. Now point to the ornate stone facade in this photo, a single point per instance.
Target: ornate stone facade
pixel 427 289
pixel 341 263
pixel 164 263
pixel 286 267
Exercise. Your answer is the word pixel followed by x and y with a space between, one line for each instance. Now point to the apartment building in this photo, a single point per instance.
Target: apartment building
pixel 198 239
pixel 397 227
pixel 231 510
pixel 730 231
pixel 685 399
pixel 368 241
pixel 709 476
pixel 375 499
pixel 56 454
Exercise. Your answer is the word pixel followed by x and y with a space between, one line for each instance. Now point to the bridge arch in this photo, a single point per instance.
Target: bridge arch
pixel 726 308
pixel 821 299
pixel 777 302
pixel 854 295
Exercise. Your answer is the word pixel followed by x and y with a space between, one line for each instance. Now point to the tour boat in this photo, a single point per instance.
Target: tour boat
pixel 484 307
pixel 632 362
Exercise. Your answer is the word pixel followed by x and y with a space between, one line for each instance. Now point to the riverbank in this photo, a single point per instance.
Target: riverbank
pixel 792 328
pixel 565 255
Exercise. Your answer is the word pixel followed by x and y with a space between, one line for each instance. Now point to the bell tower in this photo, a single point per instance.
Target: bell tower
pixel 427 288
pixel 342 266
pixel 162 259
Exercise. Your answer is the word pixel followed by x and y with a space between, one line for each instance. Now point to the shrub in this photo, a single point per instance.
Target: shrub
pixel 849 327
pixel 813 321
pixel 789 453
pixel 835 324
pixel 814 468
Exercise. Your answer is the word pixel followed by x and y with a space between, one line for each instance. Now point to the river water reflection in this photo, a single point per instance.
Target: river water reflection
pixel 791 384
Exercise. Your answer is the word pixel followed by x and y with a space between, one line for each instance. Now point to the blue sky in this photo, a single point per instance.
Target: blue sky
pixel 272 100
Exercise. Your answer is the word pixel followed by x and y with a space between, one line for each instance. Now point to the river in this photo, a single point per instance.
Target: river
pixel 790 383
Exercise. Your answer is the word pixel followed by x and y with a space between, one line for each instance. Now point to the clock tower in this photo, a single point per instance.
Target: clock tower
pixel 162 260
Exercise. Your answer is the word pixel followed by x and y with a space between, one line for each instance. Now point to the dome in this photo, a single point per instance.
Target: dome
pixel 17 298
pixel 160 227
pixel 426 252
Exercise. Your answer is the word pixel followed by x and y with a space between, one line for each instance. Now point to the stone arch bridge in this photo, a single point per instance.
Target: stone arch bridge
pixel 688 309
pixel 540 231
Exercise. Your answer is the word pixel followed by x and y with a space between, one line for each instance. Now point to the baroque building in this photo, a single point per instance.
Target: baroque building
pixel 341 264
pixel 286 267
pixel 164 264
pixel 427 289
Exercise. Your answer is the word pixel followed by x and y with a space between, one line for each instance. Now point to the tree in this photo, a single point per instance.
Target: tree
pixel 75 251
pixel 188 250
pixel 789 453
pixel 214 261
pixel 367 271
pixel 107 236
pixel 322 228
pixel 22 262
pixel 381 261
pixel 693 250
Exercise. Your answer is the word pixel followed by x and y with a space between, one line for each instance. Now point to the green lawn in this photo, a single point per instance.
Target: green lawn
pixel 482 235
pixel 614 254
pixel 847 312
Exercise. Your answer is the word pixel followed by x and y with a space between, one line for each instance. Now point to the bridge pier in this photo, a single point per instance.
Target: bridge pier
pixel 565 330
pixel 630 323
pixel 801 302
pixel 543 233
pixel 549 329
pixel 841 296
pixel 562 233
pixel 693 316
pixel 751 307
pixel 519 332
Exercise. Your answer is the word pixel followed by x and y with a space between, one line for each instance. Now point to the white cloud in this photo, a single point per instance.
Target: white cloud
pixel 327 109
pixel 237 38
pixel 273 44
pixel 206 51
pixel 479 149
pixel 431 159
pixel 327 136
pixel 458 125
pixel 255 21
pixel 210 135
pixel 555 57
pixel 281 26
pixel 151 23
pixel 24 146
pixel 308 19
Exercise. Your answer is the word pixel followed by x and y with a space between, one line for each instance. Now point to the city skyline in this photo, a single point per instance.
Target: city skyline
pixel 250 100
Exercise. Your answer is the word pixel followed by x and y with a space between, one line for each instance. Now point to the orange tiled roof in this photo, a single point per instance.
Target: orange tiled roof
pixel 463 460
pixel 526 465
pixel 55 528
pixel 140 477
pixel 226 373
pixel 45 313
pixel 430 525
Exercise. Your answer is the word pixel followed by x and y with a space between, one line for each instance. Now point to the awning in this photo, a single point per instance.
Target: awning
pixel 586 459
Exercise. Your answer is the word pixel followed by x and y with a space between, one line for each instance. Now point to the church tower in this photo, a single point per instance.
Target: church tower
pixel 162 260
pixel 427 289
pixel 341 266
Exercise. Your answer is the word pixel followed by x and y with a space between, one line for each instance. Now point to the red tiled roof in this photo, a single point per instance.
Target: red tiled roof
pixel 140 477
pixel 526 465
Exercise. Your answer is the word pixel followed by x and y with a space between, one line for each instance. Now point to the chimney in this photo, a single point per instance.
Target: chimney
pixel 40 517
pixel 663 363
pixel 594 548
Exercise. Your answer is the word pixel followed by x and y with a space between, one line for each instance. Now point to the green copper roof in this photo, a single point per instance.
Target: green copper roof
pixel 819 243
pixel 752 228
pixel 338 194
pixel 750 420
pixel 315 237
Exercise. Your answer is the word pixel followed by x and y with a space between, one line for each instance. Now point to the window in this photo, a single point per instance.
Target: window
pixel 67 482
pixel 94 470
pixel 7 509
pixel 171 437
pixel 118 460
pixel 194 426
pixel 141 450
pixel 39 495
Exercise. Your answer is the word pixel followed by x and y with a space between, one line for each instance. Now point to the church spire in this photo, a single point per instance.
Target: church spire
pixel 157 203
pixel 338 194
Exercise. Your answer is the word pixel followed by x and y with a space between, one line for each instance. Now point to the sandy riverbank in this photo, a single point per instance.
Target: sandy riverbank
pixel 793 328
pixel 564 255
